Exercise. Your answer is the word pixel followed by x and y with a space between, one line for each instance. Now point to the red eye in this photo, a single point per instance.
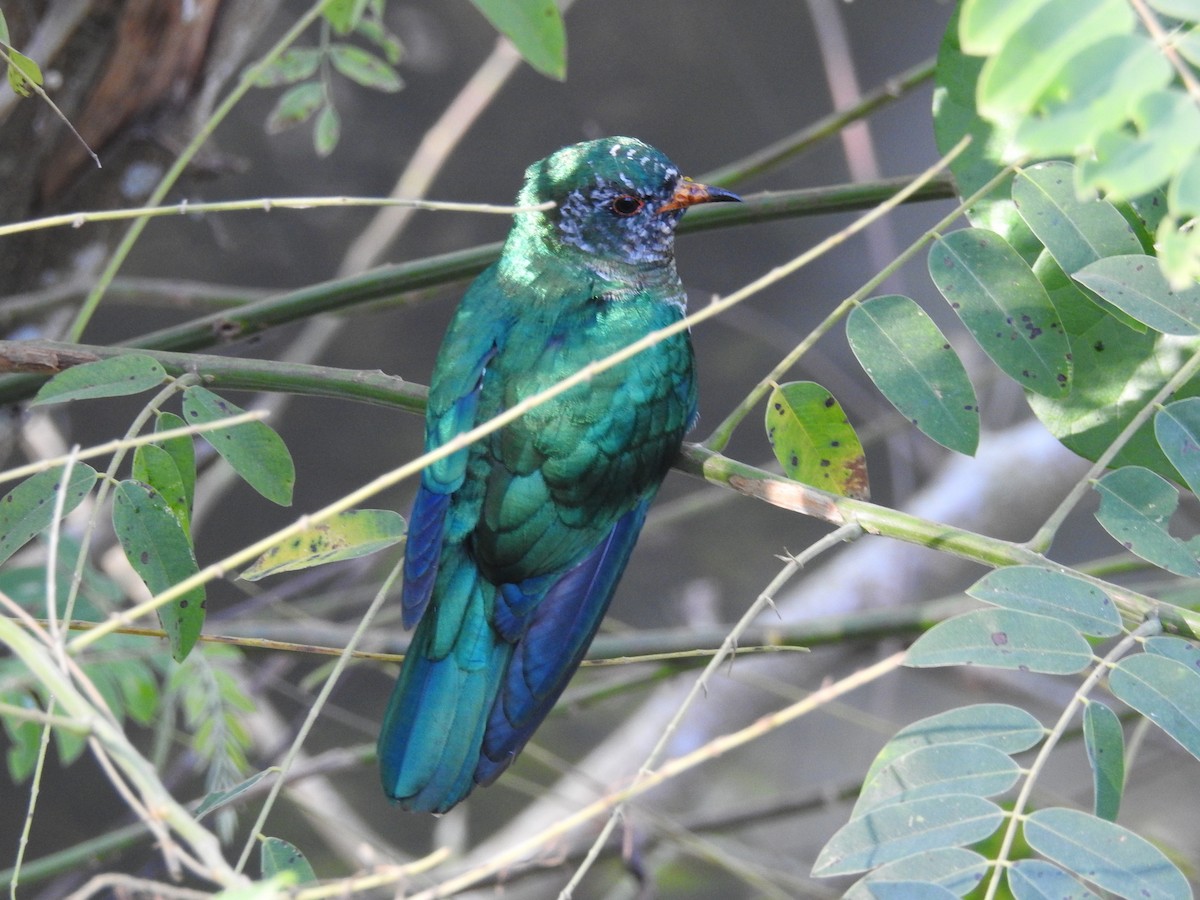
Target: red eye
pixel 626 205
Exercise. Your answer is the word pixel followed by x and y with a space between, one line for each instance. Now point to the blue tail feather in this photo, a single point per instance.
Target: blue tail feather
pixel 486 665
pixel 433 729
pixel 560 629
pixel 423 549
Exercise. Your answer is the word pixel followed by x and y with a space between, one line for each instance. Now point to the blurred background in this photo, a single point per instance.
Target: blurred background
pixel 708 83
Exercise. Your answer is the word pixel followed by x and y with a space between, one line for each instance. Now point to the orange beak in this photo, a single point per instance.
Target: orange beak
pixel 689 193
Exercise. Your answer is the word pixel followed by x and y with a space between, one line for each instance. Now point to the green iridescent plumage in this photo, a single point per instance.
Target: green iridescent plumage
pixel 517 543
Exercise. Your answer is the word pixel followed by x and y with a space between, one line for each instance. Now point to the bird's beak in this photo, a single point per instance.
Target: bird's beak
pixel 689 193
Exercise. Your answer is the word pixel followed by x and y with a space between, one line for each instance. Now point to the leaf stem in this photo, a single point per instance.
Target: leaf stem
pixel 1042 540
pixel 1017 814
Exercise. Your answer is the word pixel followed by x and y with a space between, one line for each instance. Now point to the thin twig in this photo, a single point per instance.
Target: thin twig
pixel 728 647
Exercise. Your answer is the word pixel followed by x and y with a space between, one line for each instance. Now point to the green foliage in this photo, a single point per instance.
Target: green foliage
pixel 1105 743
pixel 119 376
pixel 28 509
pixel 158 547
pixel 1089 80
pixel 916 369
pixel 536 29
pixel 1004 306
pixel 307 70
pixel 279 858
pixel 814 441
pixel 22 71
pixel 256 452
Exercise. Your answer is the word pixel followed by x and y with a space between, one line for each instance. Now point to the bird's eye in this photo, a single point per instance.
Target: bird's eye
pixel 626 205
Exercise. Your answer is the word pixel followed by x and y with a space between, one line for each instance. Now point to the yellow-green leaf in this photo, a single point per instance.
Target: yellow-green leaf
pixel 22 72
pixel 348 535
pixel 813 440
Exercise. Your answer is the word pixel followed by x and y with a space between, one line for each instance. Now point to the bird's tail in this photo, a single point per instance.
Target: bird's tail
pixel 485 667
pixel 432 732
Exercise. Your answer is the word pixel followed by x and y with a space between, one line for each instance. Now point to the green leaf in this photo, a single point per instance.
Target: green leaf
pixel 295 105
pixel 160 551
pixel 216 799
pixel 1144 214
pixel 1186 10
pixel 1046 592
pixel 536 29
pixel 1175 648
pixel 1001 726
pixel 1112 857
pixel 294 64
pixel 1126 164
pixel 1178 253
pixel 813 440
pixel 1135 283
pixel 348 535
pixel 256 452
pixel 1036 879
pixel 1004 306
pixel 138 686
pixel 1116 373
pixel 364 67
pixel 28 509
pixel 1068 295
pixel 344 15
pixel 279 857
pixel 1105 743
pixel 22 72
pixel 1004 639
pixel 901 830
pixel 155 467
pixel 1091 94
pixel 326 131
pixel 1177 428
pixel 24 736
pixel 953 868
pixel 118 376
pixel 1136 506
pixel 1183 194
pixel 1165 691
pixel 1076 232
pixel 954 117
pixel 957 768
pixel 183 450
pixel 378 35
pixel 985 25
pixel 98 594
pixel 916 369
pixel 905 890
pixel 1025 63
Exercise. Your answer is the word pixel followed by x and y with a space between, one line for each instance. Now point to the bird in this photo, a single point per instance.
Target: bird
pixel 516 543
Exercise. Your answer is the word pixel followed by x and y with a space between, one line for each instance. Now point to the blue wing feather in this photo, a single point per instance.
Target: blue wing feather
pixel 559 628
pixel 426 524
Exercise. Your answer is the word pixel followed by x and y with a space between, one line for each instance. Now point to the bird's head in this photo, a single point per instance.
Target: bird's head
pixel 617 199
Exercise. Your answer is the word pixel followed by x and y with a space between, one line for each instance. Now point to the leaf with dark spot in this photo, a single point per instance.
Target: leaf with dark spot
pixel 348 535
pixel 256 452
pixel 118 376
pixel 813 441
pixel 160 551
pixel 28 509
